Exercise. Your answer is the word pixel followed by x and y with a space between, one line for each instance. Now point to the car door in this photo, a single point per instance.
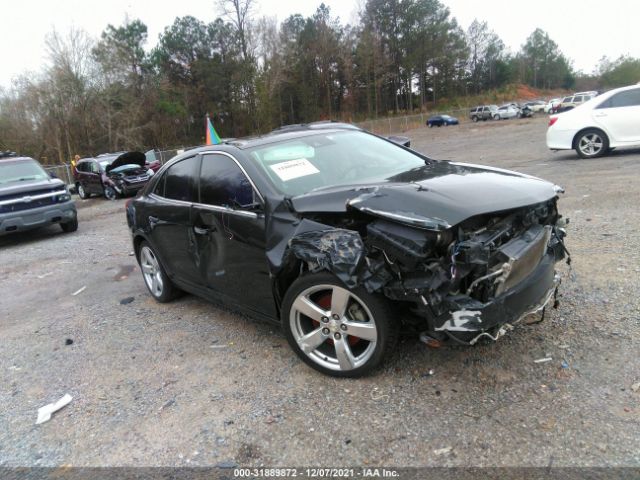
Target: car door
pixel 620 116
pixel 230 230
pixel 93 184
pixel 169 217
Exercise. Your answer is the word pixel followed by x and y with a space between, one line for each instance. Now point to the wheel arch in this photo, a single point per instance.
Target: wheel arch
pixel 582 130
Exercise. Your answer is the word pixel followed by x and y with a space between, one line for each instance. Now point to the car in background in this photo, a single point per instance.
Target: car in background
pixel 346 239
pixel 552 105
pixel 572 101
pixel 441 120
pixel 484 112
pixel 536 105
pixel 31 198
pixel 111 175
pixel 507 111
pixel 596 127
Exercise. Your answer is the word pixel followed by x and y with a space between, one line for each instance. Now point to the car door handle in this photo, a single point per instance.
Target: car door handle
pixel 153 220
pixel 203 231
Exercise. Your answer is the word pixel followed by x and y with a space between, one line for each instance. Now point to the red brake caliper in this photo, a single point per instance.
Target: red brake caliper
pixel 325 302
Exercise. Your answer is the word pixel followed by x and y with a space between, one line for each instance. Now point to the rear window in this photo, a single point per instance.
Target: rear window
pixel 22 171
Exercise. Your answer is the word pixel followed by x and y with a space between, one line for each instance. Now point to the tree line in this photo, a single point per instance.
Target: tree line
pixel 253 74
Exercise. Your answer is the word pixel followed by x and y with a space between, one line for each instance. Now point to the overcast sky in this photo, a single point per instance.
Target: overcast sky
pixel 585 30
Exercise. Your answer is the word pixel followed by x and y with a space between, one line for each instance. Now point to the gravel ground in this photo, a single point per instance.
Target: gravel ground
pixel 188 383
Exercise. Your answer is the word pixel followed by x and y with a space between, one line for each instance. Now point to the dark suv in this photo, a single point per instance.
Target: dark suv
pixel 111 175
pixel 30 198
pixel 484 112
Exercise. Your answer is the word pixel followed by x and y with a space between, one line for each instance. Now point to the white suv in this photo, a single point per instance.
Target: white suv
pixel 603 123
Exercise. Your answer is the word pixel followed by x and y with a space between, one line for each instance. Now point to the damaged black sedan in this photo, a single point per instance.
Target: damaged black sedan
pixel 347 239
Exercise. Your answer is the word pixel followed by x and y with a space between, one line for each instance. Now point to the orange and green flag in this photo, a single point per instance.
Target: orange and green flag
pixel 212 135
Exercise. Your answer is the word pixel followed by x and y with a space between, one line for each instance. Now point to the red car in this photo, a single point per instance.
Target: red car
pixel 112 175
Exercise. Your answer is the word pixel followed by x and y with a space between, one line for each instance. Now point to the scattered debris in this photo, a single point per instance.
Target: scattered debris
pixel 543 360
pixel 443 451
pixel 68 341
pixel 635 387
pixel 168 404
pixel 80 290
pixel 217 346
pixel 564 364
pixel 44 413
pixel 126 301
pixel 45 275
pixel 131 254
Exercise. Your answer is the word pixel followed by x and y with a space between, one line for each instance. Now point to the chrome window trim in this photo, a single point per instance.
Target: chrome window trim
pixel 214 208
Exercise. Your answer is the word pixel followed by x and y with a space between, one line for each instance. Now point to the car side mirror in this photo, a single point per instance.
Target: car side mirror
pixel 52 175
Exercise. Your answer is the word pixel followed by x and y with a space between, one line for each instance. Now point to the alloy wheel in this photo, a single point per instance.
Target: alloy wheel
pixel 591 144
pixel 151 271
pixel 333 327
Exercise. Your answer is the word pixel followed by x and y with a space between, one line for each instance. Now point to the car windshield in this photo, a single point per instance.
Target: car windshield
pixel 445 117
pixel 104 161
pixel 21 171
pixel 331 159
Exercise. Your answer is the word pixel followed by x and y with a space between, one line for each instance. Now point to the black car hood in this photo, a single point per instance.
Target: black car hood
pixel 127 158
pixel 435 197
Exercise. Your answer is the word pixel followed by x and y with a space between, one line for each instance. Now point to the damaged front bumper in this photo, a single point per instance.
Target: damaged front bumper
pixel 475 319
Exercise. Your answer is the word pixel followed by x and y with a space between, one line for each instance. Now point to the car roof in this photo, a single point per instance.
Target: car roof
pixel 287 132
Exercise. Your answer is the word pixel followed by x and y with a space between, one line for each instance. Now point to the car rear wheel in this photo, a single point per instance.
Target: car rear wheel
pixel 430 125
pixel 336 330
pixel 496 117
pixel 475 119
pixel 591 143
pixel 155 278
pixel 82 193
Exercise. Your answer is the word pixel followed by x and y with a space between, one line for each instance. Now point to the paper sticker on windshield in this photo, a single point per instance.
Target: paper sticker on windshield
pixel 294 169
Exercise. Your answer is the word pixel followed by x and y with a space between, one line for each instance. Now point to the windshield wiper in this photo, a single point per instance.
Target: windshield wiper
pixel 24 179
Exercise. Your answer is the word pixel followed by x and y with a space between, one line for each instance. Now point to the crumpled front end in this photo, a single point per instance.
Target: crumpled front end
pixel 463 283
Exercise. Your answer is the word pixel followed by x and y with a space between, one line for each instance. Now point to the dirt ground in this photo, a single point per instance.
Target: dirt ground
pixel 188 383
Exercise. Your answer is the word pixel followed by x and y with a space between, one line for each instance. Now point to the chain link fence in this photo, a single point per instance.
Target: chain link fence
pixel 63 172
pixel 401 124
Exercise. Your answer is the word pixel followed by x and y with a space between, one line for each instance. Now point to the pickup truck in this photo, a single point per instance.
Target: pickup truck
pixel 30 198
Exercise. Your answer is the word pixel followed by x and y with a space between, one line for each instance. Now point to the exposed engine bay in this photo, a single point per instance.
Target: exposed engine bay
pixel 462 282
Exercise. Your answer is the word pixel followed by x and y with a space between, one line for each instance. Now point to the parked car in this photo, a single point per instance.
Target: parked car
pixel 30 198
pixel 111 175
pixel 484 112
pixel 573 101
pixel 440 120
pixel 346 239
pixel 552 105
pixel 507 111
pixel 598 126
pixel 152 160
pixel 536 105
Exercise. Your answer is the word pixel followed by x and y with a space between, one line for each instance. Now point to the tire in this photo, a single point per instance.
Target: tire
pixel 591 143
pixel 317 339
pixel 110 193
pixel 430 125
pixel 474 118
pixel 82 193
pixel 155 278
pixel 496 117
pixel 70 226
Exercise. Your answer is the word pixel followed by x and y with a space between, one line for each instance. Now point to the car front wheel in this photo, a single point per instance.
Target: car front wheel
pixel 336 330
pixel 156 279
pixel 591 143
pixel 110 193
